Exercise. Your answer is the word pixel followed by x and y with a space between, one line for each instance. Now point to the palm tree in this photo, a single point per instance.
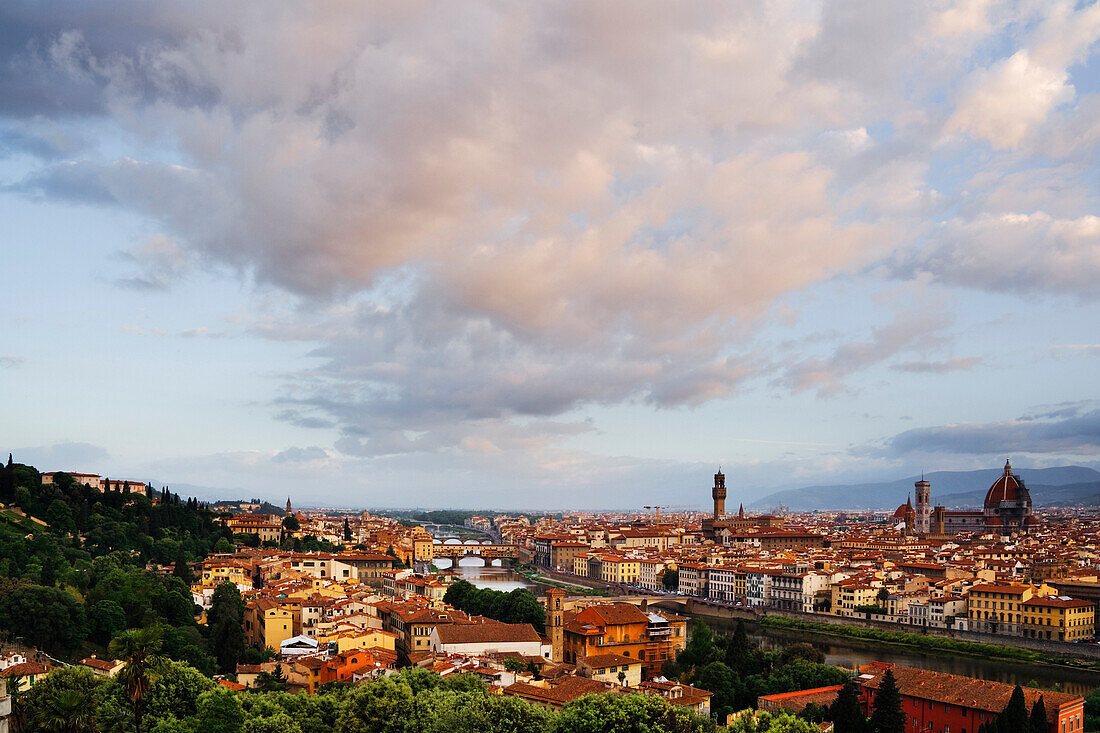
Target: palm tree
pixel 17 694
pixel 69 711
pixel 138 648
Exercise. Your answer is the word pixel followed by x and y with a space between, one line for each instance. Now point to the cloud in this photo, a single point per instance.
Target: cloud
pixel 10 361
pixel 909 330
pixel 954 364
pixel 160 262
pixel 300 455
pixel 490 217
pixel 1014 252
pixel 67 456
pixel 1076 435
pixel 1006 102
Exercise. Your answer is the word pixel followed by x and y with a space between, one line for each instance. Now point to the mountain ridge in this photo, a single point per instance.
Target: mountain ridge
pixel 1048 487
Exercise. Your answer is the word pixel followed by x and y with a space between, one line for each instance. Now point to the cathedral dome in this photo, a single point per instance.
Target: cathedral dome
pixel 1007 487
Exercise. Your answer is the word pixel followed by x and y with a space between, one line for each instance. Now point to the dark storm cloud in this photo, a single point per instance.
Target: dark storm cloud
pixel 1078 435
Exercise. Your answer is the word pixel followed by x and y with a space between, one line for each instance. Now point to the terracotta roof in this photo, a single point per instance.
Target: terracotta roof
pixel 486 633
pixel 608 660
pixel 26 669
pixel 964 691
pixel 570 688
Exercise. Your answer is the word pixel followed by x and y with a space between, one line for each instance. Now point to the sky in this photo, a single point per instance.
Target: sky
pixel 563 255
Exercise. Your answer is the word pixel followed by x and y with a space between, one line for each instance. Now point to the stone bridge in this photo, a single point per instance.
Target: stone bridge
pixel 456 550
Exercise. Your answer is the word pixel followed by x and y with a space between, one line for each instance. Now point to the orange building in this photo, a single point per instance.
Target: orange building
pixel 624 630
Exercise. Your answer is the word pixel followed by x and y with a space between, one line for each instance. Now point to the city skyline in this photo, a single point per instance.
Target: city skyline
pixel 361 253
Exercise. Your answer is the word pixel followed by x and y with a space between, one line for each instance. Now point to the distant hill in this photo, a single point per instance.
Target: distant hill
pixel 1059 486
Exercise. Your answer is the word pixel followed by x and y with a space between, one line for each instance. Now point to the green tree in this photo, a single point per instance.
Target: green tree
pixel 106 620
pixel 764 722
pixel 701 649
pixel 182 568
pixel 612 713
pixel 225 621
pixel 670 580
pixel 846 712
pixel 272 681
pixel 175 693
pixel 1038 723
pixel 887 715
pixel 69 711
pixel 139 650
pixel 722 682
pixel 383 706
pixel 60 517
pixel 64 701
pixel 347 530
pixel 291 523
pixel 17 689
pixel 1014 718
pixel 48 618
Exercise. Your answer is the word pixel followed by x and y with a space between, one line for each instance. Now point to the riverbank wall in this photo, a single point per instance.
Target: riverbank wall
pixel 1085 651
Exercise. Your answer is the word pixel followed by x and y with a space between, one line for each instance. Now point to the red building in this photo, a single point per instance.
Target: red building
pixel 935 702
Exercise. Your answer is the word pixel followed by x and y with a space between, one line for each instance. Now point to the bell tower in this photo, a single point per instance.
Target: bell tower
pixel 924 506
pixel 555 626
pixel 718 493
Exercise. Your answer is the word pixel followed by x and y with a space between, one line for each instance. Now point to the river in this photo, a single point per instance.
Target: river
pixel 496 577
pixel 841 651
pixel 851 653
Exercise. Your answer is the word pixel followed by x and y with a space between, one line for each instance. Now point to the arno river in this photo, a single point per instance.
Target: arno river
pixel 840 651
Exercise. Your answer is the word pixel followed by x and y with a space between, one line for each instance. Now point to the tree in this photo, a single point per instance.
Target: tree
pixel 1014 718
pixel 139 649
pixel 670 580
pixel 225 621
pixel 887 715
pixel 347 530
pixel 48 618
pixel 271 681
pixel 106 620
pixel 722 682
pixel 603 713
pixel 397 563
pixel 17 698
pixel 182 568
pixel 846 712
pixel 701 649
pixel 70 711
pixel 1038 723
pixel 63 701
pixel 60 517
pixel 291 523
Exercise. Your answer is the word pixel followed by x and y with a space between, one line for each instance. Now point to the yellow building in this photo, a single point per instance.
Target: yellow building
pixel 347 638
pixel 268 623
pixel 257 524
pixel 615 569
pixel 215 572
pixel 996 607
pixel 1057 618
pixel 847 596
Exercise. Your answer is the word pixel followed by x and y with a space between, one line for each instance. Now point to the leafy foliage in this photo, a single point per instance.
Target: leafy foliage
pixel 515 607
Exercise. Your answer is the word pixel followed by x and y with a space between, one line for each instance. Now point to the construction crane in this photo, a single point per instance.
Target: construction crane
pixel 657 509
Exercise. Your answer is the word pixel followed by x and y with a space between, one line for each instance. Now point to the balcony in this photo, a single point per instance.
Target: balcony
pixel 660 631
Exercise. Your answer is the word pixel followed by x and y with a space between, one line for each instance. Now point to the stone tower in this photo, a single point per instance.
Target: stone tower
pixel 555 626
pixel 924 506
pixel 289 511
pixel 718 493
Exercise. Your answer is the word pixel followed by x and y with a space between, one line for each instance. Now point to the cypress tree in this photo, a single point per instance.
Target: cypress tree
pixel 887 715
pixel 1014 718
pixel 846 712
pixel 1038 721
